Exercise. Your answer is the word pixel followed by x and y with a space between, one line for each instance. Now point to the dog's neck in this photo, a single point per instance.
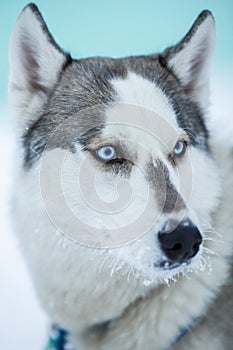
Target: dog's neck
pixel 59 338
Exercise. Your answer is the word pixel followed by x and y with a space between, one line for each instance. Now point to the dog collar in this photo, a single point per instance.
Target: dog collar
pixel 59 338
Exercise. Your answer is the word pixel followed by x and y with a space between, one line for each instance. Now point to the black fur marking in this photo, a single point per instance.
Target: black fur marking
pixel 75 109
pixel 85 138
pixel 167 197
pixel 84 86
pixel 79 100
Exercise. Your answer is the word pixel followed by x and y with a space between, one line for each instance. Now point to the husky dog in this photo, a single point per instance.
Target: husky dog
pixel 122 199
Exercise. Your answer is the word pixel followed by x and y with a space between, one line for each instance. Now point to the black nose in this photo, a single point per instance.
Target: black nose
pixel 182 243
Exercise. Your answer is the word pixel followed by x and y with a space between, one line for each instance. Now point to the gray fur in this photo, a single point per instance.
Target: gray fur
pixel 167 197
pixel 84 85
pixel 73 113
pixel 30 56
pixel 198 60
pixel 208 327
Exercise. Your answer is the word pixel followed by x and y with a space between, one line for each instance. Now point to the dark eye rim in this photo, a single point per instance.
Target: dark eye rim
pixel 115 161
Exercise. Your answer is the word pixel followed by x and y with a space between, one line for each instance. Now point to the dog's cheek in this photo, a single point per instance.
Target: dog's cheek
pixel 206 186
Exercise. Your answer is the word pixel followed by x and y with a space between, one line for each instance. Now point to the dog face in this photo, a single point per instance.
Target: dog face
pixel 115 158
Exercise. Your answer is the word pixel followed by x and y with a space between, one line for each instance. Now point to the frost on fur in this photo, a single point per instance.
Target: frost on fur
pixel 146 266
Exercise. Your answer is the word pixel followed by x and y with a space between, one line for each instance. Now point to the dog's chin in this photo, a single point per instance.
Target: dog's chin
pixel 165 271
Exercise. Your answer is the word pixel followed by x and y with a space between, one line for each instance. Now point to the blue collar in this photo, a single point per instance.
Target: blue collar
pixel 59 338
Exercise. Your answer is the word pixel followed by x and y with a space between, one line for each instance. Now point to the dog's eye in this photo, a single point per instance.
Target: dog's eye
pixel 179 148
pixel 106 153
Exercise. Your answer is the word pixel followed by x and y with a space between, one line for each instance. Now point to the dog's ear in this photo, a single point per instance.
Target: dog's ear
pixel 190 60
pixel 36 62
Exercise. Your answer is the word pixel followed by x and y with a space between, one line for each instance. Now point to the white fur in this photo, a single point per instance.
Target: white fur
pixel 49 60
pixel 202 41
pixel 72 263
pixel 78 285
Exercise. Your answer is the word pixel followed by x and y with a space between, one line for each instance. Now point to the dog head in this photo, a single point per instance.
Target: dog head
pixel 114 159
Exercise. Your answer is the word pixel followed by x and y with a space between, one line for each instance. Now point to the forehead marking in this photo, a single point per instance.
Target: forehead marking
pixel 139 91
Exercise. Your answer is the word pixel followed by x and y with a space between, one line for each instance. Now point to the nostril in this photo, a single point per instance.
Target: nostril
pixel 195 247
pixel 177 246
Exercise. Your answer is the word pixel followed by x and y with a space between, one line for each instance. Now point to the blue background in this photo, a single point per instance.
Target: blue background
pixel 119 28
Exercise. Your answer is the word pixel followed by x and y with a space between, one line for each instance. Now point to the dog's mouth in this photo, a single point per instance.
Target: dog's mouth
pixel 169 265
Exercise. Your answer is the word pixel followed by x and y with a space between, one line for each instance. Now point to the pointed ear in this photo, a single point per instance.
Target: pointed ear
pixel 190 60
pixel 36 62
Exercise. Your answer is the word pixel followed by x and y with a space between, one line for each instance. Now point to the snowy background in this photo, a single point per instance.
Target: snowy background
pixel 23 325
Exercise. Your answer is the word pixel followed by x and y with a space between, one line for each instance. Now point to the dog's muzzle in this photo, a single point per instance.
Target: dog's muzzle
pixel 182 243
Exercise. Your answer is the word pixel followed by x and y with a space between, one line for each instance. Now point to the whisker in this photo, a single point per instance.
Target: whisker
pixel 209 251
pixel 206 238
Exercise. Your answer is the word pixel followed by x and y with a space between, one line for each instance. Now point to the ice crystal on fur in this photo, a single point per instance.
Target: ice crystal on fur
pixel 147 259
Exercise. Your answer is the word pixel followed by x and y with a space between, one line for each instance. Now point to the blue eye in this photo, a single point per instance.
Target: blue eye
pixel 106 153
pixel 180 148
